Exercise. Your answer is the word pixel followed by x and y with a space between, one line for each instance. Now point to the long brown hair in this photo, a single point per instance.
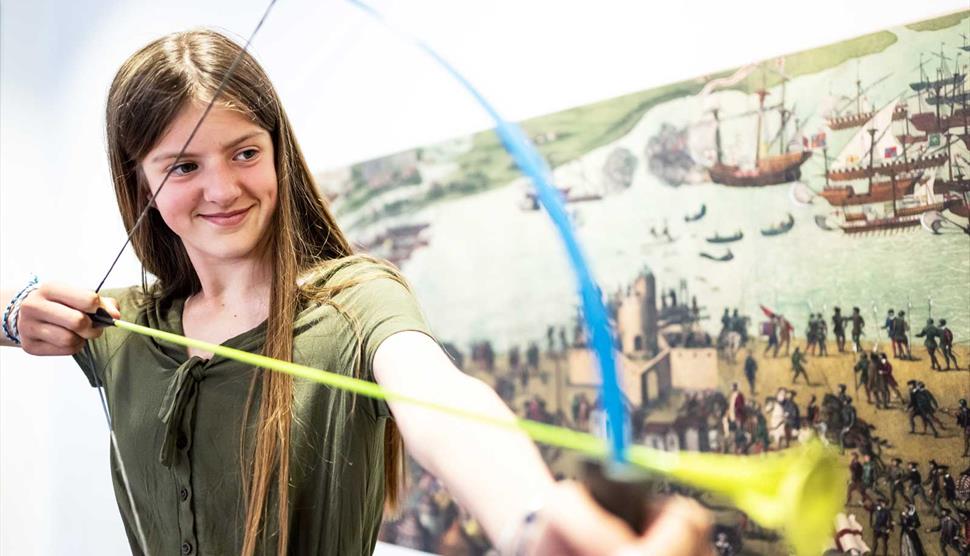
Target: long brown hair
pixel 148 92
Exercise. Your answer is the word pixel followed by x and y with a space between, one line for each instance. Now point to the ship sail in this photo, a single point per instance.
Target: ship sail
pixel 923 192
pixel 856 151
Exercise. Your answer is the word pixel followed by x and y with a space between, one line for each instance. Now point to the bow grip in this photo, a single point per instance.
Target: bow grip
pixel 624 491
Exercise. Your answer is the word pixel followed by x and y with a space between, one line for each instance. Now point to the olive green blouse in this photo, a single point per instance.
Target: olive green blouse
pixel 179 419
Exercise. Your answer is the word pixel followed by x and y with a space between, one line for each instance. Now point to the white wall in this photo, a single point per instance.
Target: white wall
pixel 354 91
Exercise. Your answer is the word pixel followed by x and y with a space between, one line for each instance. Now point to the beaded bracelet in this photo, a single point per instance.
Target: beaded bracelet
pixel 11 314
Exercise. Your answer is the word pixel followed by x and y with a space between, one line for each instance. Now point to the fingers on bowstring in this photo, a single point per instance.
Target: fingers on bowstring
pixel 110 304
pixel 83 300
pixel 682 528
pixel 39 311
pixel 48 339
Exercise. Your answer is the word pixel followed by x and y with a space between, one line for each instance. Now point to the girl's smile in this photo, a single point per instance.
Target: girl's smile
pixel 227 219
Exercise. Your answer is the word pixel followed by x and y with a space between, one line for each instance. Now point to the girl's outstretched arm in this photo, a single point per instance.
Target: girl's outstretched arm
pixel 499 476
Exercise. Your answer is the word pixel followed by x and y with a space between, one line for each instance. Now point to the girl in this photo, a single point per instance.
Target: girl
pixel 226 459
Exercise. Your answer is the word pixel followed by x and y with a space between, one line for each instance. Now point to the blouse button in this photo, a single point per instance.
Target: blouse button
pixel 186 548
pixel 184 494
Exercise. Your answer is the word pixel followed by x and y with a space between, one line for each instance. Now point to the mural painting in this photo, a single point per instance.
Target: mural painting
pixel 784 250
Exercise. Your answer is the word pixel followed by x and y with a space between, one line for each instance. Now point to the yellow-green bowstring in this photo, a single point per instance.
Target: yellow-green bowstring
pixel 798 490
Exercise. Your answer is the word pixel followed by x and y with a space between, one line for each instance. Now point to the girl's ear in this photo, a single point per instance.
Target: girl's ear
pixel 144 191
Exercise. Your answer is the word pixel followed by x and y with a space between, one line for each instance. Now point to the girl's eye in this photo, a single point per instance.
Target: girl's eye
pixel 184 168
pixel 247 154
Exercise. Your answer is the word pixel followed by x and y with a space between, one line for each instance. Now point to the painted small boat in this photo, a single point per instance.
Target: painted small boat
pixel 725 239
pixel 782 228
pixel 725 257
pixel 695 217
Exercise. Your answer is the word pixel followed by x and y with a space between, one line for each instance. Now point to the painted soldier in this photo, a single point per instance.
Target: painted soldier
pixel 842 395
pixel 963 422
pixel 878 383
pixel 897 482
pixel 949 529
pixel 855 481
pixel 901 335
pixel 870 475
pixel 739 324
pixel 811 334
pixel 934 480
pixel 838 328
pixel 881 522
pixel 888 325
pixel 771 329
pixel 821 334
pixel 949 486
pixel 885 369
pixel 931 333
pixel 793 417
pixel 931 402
pixel 735 407
pixel 946 345
pixel 861 371
pixel 858 324
pixel 784 333
pixel 751 369
pixel 811 410
pixel 760 428
pixel 532 357
pixel 915 480
pixel 920 406
pixel 798 366
pixel 849 417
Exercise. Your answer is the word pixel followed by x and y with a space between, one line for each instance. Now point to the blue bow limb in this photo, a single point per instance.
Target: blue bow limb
pixel 533 165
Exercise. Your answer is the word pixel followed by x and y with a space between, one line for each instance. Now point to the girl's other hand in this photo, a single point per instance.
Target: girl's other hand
pixel 574 525
pixel 53 319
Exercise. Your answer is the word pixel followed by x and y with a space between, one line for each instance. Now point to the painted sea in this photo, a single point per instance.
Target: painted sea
pixel 492 270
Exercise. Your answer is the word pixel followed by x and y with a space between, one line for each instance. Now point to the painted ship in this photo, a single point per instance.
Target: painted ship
pixel 397 243
pixel 931 122
pixel 879 192
pixel 948 92
pixel 858 160
pixel 848 121
pixel 531 200
pixel 842 119
pixel 905 211
pixel 944 78
pixel 768 169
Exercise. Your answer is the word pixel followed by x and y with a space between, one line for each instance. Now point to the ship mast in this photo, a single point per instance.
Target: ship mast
pixel 825 156
pixel 762 93
pixel 948 159
pixel 906 135
pixel 858 91
pixel 784 118
pixel 717 134
pixel 872 147
pixel 761 112
pixel 966 112
pixel 892 178
pixel 922 76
